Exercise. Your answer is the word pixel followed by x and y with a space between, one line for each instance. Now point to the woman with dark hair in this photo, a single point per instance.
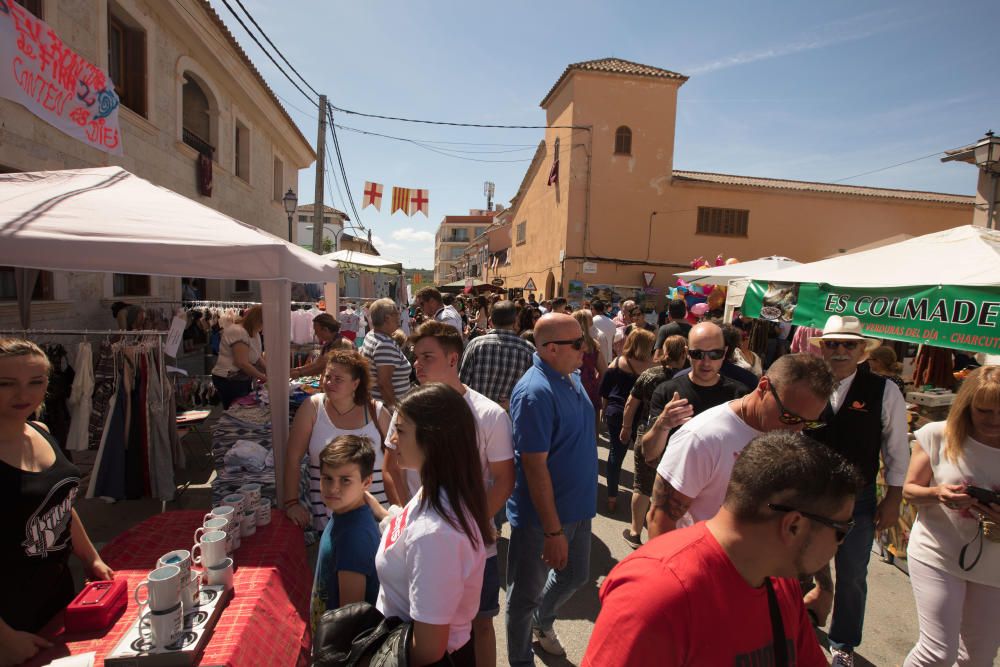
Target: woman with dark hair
pixel 481 322
pixel 327 331
pixel 431 558
pixel 241 357
pixel 526 319
pixel 344 407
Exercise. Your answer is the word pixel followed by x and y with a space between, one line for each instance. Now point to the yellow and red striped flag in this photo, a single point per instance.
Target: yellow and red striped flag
pixel 400 200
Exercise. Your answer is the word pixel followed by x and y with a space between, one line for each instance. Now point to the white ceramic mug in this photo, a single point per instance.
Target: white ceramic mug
pixel 222 511
pixel 163 588
pixel 210 549
pixel 248 526
pixel 263 513
pixel 235 532
pixel 252 492
pixel 235 500
pixel 179 557
pixel 191 591
pixel 221 574
pixel 217 523
pixel 163 626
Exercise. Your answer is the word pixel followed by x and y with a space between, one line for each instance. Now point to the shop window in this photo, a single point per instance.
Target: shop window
pixel 522 235
pixel 197 117
pixel 303 218
pixel 723 221
pixel 241 286
pixel 33 6
pixel 127 59
pixel 242 149
pixel 8 286
pixel 279 180
pixel 623 141
pixel 130 284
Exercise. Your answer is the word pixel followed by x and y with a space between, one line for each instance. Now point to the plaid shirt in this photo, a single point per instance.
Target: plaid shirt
pixel 494 362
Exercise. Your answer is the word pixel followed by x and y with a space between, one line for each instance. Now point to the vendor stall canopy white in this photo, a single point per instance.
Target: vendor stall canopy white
pixel 364 262
pixel 966 255
pixel 721 275
pixel 109 220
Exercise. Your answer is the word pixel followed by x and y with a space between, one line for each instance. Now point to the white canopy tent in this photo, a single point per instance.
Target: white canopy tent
pixel 351 259
pixel 721 275
pixel 109 220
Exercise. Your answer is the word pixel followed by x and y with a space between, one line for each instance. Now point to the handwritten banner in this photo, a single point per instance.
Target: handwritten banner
pixel 41 73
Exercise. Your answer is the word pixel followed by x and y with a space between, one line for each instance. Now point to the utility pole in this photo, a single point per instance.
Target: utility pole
pixel 319 210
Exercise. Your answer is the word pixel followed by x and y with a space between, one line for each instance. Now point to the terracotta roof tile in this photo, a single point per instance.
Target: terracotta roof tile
pixel 809 186
pixel 614 66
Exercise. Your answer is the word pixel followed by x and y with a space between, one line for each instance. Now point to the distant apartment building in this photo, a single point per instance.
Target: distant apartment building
pixel 453 236
pixel 194 111
pixel 333 224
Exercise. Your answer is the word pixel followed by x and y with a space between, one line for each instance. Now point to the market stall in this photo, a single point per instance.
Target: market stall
pixel 364 277
pixel 109 220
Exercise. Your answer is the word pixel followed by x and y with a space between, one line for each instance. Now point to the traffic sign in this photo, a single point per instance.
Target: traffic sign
pixel 530 285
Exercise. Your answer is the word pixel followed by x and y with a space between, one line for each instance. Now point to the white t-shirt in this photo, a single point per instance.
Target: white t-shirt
pixel 939 533
pixel 606 326
pixel 429 571
pixel 494 436
pixel 225 365
pixel 449 315
pixel 700 456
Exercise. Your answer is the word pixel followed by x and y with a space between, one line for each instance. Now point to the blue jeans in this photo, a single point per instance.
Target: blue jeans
pixel 534 591
pixel 616 454
pixel 851 588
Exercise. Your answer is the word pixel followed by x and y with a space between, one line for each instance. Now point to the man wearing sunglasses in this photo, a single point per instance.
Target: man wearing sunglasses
pixel 787 506
pixel 865 417
pixel 692 476
pixel 555 491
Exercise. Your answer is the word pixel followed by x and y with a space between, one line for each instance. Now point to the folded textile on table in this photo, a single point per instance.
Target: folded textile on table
pixel 249 456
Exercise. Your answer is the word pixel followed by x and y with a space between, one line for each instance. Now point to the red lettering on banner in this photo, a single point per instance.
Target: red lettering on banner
pixel 396 527
pixel 99 134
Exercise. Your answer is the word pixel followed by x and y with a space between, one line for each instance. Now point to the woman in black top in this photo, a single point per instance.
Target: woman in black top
pixel 39 526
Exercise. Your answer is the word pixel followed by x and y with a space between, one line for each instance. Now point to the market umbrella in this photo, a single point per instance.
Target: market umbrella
pixel 942 289
pixel 721 275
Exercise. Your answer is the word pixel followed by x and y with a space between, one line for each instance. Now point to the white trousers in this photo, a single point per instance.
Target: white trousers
pixel 957 619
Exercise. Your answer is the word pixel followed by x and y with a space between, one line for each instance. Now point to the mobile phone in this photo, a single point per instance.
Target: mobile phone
pixel 984 496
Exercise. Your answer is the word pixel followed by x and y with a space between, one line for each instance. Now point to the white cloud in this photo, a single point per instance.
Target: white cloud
pixel 411 234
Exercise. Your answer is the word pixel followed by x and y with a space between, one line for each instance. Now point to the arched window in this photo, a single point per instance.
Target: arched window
pixel 197 118
pixel 623 141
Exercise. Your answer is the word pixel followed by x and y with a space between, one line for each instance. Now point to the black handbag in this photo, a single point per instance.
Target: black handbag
pixel 358 635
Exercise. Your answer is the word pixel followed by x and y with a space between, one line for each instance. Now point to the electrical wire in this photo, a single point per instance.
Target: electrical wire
pixel 891 166
pixel 276 49
pixel 432 149
pixel 454 124
pixel 343 171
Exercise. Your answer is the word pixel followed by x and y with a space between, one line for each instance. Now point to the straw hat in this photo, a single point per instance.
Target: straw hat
pixel 847 327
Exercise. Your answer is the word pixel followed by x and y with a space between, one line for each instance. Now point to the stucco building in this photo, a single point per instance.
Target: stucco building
pixel 616 207
pixel 333 224
pixel 187 89
pixel 453 236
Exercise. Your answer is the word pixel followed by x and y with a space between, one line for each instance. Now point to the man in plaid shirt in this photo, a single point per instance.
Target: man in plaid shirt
pixel 494 362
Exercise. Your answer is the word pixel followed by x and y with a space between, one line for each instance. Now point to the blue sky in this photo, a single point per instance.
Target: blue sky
pixel 818 91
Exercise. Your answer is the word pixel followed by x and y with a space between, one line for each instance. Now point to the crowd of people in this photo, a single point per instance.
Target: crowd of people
pixel 752 475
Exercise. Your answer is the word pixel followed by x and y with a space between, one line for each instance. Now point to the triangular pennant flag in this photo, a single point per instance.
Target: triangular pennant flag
pixel 400 200
pixel 373 195
pixel 420 202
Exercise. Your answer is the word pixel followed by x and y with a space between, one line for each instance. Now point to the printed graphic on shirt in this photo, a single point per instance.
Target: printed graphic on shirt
pixel 47 529
pixel 396 528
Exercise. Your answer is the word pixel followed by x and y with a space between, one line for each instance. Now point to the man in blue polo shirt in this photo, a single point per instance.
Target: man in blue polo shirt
pixel 555 493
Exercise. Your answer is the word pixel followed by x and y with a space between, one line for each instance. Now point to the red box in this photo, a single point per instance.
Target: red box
pixel 98 606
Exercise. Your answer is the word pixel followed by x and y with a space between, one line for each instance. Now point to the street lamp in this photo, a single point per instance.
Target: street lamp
pixel 987 155
pixel 290 201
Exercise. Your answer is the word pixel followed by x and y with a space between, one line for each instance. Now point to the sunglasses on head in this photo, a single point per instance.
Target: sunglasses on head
pixel 834 344
pixel 576 343
pixel 788 417
pixel 841 528
pixel 714 355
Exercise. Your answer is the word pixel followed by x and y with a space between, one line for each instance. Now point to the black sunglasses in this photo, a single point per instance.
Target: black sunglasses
pixel 846 344
pixel 576 343
pixel 714 355
pixel 788 417
pixel 842 528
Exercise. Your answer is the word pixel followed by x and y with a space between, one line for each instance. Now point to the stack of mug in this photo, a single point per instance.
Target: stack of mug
pixel 171 590
pixel 250 509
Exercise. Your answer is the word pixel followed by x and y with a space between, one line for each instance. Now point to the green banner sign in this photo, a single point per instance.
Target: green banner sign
pixel 962 318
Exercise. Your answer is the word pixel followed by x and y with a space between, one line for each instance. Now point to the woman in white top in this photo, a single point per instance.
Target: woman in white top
pixel 345 407
pixel 954 547
pixel 241 359
pixel 431 557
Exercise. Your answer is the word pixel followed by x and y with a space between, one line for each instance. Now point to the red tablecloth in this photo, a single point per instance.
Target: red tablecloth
pixel 266 621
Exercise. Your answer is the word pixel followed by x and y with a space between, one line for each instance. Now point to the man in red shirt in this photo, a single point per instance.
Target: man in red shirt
pixel 721 591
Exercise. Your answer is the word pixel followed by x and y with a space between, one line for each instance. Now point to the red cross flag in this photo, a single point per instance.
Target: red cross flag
pixel 373 195
pixel 420 202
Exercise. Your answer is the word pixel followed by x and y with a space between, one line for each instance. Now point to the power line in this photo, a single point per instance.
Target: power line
pixel 442 122
pixel 343 171
pixel 276 49
pixel 891 166
pixel 521 147
pixel 432 149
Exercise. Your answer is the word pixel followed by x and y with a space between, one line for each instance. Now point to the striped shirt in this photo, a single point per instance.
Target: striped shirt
pixel 494 362
pixel 381 350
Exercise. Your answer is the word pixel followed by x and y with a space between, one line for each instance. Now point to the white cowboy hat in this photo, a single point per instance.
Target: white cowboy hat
pixel 847 327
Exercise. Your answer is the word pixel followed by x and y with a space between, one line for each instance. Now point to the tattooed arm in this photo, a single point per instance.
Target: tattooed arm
pixel 667 507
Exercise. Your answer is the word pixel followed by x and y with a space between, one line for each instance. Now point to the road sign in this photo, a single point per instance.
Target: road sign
pixel 530 285
pixel 647 277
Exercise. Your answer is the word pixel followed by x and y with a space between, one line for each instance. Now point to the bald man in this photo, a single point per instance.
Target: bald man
pixel 555 493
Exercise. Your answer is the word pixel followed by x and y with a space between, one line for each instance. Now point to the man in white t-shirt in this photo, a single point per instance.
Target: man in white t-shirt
pixel 437 350
pixel 694 471
pixel 606 326
pixel 430 301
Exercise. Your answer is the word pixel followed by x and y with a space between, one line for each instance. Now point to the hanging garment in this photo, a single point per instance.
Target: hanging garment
pixel 108 477
pixel 159 419
pixel 104 387
pixel 80 398
pixel 934 366
pixel 56 411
